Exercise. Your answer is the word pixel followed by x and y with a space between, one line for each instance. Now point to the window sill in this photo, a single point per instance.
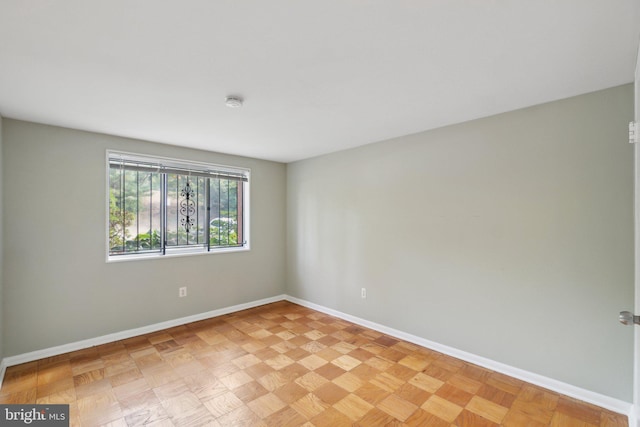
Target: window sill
pixel 174 254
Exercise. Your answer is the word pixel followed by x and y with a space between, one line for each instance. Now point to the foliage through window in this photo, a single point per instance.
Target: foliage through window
pixel 160 206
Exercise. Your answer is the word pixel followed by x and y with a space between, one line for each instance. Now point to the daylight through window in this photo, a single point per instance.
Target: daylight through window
pixel 164 206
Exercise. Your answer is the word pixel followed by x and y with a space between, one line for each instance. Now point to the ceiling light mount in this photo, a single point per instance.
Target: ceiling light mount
pixel 233 101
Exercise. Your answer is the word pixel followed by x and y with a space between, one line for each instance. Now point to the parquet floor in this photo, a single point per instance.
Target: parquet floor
pixel 285 365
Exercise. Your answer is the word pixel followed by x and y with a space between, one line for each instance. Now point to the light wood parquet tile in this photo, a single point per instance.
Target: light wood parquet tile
pixel 397 407
pixel 285 365
pixel 442 408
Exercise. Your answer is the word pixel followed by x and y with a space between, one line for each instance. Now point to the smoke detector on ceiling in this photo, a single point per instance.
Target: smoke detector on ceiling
pixel 233 102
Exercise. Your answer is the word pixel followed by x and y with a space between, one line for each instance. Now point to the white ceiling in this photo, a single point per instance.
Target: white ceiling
pixel 317 76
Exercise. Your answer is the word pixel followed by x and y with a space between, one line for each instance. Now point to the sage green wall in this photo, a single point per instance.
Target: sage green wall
pixel 509 237
pixel 57 286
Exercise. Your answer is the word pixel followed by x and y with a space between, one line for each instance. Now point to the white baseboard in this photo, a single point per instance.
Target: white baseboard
pixel 3 369
pixel 601 400
pixel 634 416
pixel 79 345
pixel 588 396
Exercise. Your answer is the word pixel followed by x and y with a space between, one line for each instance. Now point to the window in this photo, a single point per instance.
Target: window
pixel 162 206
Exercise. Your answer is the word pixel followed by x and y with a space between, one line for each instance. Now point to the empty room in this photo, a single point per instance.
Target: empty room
pixel 284 213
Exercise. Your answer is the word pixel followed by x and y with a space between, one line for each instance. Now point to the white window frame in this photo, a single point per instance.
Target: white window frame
pixel 182 164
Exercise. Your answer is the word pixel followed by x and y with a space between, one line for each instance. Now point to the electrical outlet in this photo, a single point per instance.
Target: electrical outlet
pixel 182 292
pixel 363 293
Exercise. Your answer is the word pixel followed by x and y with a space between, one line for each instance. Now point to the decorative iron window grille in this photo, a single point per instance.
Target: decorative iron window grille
pixel 160 206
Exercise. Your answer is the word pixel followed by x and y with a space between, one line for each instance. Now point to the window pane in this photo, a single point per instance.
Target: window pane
pixel 186 210
pixel 134 211
pixel 117 219
pixel 225 215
